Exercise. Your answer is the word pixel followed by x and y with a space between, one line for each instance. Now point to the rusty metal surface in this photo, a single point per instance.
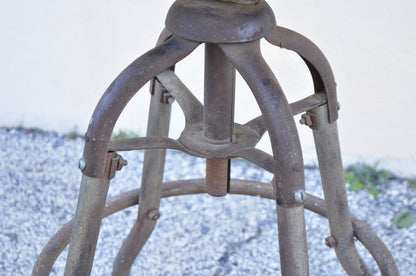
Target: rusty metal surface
pixel 376 247
pixel 60 240
pixel 120 92
pixel 192 140
pixel 210 132
pixel 150 193
pixel 278 117
pixel 151 181
pixel 292 241
pixel 218 115
pixel 91 203
pixel 215 21
pixel 252 2
pixel 317 63
pixel 191 107
pixel 164 35
pixel 218 176
pixel 332 175
pixel 287 154
pixel 219 86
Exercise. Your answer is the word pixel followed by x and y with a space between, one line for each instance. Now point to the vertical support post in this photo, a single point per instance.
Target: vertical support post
pixel 151 186
pixel 292 241
pixel 332 175
pixel 87 222
pixel 219 86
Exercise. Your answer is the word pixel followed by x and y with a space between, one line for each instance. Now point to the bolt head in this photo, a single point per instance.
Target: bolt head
pixel 171 100
pixel 82 164
pixel 300 196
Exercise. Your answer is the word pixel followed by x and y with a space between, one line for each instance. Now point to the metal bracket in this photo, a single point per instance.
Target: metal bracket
pixel 116 164
pixel 167 97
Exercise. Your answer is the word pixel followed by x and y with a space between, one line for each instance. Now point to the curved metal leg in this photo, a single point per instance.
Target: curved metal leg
pixel 327 146
pixel 91 203
pixel 150 193
pixel 60 240
pixel 332 175
pixel 120 92
pixel 97 140
pixel 152 176
pixel 288 162
pixel 316 61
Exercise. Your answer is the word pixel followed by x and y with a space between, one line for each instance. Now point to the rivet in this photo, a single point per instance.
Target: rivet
pixel 82 164
pixel 153 215
pixel 167 98
pixel 171 100
pixel 300 196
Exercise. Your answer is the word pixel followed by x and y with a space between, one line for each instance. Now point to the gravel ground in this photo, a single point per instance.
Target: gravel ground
pixel 39 187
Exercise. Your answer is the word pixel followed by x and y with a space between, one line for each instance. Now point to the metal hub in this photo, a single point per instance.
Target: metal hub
pixel 216 21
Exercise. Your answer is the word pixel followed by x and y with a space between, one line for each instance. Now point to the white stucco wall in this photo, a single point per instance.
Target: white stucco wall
pixel 58 57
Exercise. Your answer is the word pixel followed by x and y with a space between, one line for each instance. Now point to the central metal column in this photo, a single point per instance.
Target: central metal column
pixel 219 87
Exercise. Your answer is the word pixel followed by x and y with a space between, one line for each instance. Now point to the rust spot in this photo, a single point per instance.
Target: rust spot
pixel 266 81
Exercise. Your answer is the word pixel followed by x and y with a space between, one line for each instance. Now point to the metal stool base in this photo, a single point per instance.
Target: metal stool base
pixel 210 132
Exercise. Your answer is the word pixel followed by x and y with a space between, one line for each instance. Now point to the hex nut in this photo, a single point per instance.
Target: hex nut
pixel 121 163
pixel 306 120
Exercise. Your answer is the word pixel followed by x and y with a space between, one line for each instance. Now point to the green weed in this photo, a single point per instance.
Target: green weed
pixel 362 176
pixel 404 219
pixel 124 134
pixel 412 183
pixel 73 134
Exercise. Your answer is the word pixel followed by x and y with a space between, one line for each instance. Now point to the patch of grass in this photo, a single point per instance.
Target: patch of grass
pixel 19 127
pixel 404 219
pixel 36 130
pixel 412 183
pixel 362 176
pixel 73 134
pixel 124 134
